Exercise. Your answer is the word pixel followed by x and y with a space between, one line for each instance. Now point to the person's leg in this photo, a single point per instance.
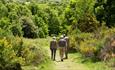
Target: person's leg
pixel 66 53
pixel 51 53
pixel 60 52
pixel 54 53
pixel 63 51
pixel 61 56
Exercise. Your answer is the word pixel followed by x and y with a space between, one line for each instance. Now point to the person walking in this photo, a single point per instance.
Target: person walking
pixel 62 44
pixel 53 48
pixel 67 47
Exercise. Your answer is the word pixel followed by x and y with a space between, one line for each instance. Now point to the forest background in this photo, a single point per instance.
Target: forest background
pixel 90 24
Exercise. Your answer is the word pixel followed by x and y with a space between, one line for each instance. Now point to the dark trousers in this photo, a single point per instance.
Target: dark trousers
pixel 53 53
pixel 66 52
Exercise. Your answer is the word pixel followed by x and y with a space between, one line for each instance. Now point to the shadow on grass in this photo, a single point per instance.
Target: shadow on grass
pixel 58 61
pixel 78 57
pixel 89 59
pixel 71 50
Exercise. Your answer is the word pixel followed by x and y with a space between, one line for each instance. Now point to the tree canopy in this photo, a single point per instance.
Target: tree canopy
pixel 40 18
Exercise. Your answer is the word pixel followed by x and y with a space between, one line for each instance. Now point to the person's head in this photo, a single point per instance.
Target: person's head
pixel 64 35
pixel 54 38
pixel 61 37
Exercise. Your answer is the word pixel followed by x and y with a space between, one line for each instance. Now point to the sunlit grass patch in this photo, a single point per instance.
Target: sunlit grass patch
pixel 78 58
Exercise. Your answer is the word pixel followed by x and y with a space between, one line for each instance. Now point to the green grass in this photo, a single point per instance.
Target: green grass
pixel 88 63
pixel 46 66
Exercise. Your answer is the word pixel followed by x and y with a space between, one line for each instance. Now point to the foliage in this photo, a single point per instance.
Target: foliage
pixel 111 62
pixel 8 57
pixel 54 17
pixel 33 51
pixel 104 10
pixel 40 18
pixel 3 10
pixel 94 45
pixel 22 52
pixel 88 48
pixel 42 27
pixel 29 28
pixel 5 27
pixel 88 23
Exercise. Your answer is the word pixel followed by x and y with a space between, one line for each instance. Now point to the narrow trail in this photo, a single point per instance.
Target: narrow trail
pixel 67 64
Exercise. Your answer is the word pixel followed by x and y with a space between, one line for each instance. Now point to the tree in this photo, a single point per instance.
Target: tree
pixel 104 10
pixel 78 12
pixel 3 10
pixel 28 27
pixel 42 26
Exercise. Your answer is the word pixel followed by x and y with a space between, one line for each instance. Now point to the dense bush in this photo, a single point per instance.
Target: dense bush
pixel 8 57
pixel 104 11
pixel 33 52
pixel 88 48
pixel 42 27
pixel 29 29
pixel 94 45
pixel 88 23
pixel 22 52
pixel 111 62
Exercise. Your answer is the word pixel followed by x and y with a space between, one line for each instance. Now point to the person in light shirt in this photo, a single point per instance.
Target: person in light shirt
pixel 62 44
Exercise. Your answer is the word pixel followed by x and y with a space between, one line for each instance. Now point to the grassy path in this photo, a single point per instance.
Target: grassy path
pixel 74 62
pixel 68 64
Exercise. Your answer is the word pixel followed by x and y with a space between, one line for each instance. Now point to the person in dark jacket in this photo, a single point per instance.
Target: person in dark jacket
pixel 53 48
pixel 62 44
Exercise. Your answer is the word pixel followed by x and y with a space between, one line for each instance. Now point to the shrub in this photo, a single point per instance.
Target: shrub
pixel 73 42
pixel 16 51
pixel 88 23
pixel 33 52
pixel 18 45
pixel 29 29
pixel 3 10
pixel 4 33
pixel 93 44
pixel 7 28
pixel 16 28
pixel 42 27
pixel 77 37
pixel 111 62
pixel 8 57
pixel 107 51
pixel 88 48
